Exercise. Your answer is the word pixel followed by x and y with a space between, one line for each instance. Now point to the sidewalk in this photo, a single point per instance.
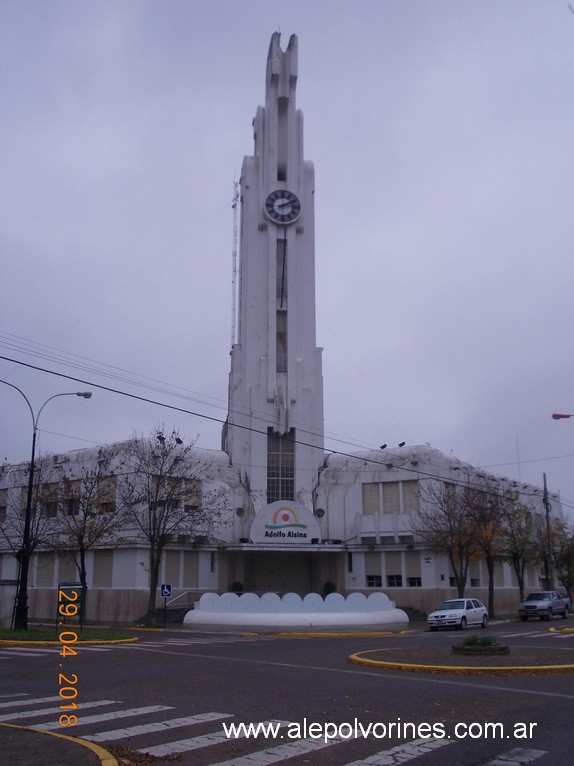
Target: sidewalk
pixel 21 746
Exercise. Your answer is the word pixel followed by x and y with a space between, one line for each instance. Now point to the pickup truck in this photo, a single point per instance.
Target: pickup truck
pixel 544 604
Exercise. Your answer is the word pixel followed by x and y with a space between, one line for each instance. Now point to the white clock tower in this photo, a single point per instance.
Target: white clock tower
pixel 274 430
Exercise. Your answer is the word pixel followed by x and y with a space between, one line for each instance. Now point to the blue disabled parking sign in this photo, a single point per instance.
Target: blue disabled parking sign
pixel 166 590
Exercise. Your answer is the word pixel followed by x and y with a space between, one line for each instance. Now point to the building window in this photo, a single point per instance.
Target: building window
pixel 281 283
pixel 374 581
pixel 349 562
pixel 51 509
pixel 71 502
pixel 394 581
pixel 371 499
pixel 103 568
pixel 3 504
pixel 414 582
pixel 391 497
pixel 410 496
pixel 281 341
pixel 106 494
pixel 280 466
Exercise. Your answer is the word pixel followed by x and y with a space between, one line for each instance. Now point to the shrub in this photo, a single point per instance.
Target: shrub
pixel 479 641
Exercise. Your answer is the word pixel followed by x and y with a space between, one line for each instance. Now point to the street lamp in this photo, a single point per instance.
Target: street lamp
pixel 561 416
pixel 23 555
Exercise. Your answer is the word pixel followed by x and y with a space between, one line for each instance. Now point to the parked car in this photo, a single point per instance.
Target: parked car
pixel 459 613
pixel 544 604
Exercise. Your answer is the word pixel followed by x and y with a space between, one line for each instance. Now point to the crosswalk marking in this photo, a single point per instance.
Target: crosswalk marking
pixel 403 753
pixel 537 634
pixel 52 710
pixel 516 757
pixel 174 723
pixel 281 752
pixel 194 743
pixel 270 750
pixel 108 716
pixel 28 701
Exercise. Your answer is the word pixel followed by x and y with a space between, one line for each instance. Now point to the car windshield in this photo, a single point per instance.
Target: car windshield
pixel 539 597
pixel 450 605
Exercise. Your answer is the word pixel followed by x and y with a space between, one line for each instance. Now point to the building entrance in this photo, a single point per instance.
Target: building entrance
pixel 293 572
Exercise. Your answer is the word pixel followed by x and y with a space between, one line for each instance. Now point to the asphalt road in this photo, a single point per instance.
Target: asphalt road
pixel 182 687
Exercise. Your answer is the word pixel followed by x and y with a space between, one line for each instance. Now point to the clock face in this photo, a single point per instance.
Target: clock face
pixel 282 206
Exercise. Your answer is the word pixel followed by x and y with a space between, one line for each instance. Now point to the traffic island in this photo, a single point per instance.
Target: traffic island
pixel 437 660
pixel 479 646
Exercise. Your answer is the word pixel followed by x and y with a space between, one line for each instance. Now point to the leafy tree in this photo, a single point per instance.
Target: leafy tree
pixel 161 489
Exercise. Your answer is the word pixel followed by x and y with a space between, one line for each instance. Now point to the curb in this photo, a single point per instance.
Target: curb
pixel 7 642
pixel 105 758
pixel 359 659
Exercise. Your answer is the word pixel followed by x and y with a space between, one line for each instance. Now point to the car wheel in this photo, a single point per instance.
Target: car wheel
pixel 433 628
pixel 550 614
pixel 463 623
pixel 484 623
pixel 566 613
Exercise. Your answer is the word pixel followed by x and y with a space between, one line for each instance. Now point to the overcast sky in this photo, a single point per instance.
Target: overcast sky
pixel 442 134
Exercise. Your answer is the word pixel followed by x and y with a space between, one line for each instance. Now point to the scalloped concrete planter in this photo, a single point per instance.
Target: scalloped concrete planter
pixel 293 611
pixel 480 651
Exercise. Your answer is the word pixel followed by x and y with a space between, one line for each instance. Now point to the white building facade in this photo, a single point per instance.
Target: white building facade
pixel 289 517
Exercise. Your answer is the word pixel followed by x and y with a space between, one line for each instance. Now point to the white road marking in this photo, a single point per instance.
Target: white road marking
pixel 173 723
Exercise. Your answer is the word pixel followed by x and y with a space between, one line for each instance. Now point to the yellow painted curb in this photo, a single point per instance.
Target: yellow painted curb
pixel 359 659
pixel 561 630
pixel 106 759
pixel 7 642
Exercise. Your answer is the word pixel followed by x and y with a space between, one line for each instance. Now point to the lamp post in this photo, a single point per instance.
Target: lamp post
pixel 23 555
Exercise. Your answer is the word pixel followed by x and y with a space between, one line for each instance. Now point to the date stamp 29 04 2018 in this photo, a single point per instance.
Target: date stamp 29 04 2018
pixel 67 607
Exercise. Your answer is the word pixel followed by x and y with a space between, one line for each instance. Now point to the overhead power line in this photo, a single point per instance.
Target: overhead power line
pixel 417 471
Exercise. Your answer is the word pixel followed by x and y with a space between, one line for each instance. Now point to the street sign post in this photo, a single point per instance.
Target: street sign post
pixel 166 593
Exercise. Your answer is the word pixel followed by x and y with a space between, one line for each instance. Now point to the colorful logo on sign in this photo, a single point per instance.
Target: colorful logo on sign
pixel 284 518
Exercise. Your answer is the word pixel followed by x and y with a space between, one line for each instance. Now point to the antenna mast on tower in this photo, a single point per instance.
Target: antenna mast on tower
pixel 234 205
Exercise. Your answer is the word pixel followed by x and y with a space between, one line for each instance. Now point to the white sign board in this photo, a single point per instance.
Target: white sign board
pixel 285 522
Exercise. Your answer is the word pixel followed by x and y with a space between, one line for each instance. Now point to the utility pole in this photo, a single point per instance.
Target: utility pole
pixel 548 558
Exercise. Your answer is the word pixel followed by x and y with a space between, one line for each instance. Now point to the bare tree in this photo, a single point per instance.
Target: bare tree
pixel 90 515
pixel 444 526
pixel 43 508
pixel 163 496
pixel 484 509
pixel 518 521
pixel 563 551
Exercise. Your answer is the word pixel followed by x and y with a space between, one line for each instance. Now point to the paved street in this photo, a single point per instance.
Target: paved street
pixel 175 691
